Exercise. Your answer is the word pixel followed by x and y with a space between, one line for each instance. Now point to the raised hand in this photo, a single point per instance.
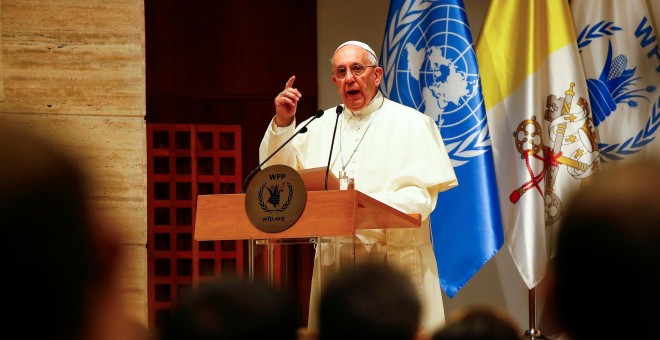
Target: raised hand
pixel 286 103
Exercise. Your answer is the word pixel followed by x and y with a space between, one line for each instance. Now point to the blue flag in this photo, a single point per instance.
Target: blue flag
pixel 430 65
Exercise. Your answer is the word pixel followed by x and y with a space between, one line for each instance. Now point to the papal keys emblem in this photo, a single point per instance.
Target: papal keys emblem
pixel 571 144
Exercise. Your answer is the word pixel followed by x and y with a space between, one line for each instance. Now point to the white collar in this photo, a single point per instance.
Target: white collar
pixel 374 105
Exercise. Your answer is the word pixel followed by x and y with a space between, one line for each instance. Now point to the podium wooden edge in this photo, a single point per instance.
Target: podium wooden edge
pixel 326 213
pixel 314 179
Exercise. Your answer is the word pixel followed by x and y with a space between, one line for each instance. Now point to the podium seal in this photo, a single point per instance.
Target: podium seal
pixel 275 198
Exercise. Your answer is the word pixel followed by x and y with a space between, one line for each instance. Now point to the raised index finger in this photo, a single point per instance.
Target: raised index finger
pixel 289 83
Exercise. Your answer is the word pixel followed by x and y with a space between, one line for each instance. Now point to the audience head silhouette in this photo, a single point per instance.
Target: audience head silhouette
pixel 61 258
pixel 479 323
pixel 608 255
pixel 233 308
pixel 369 301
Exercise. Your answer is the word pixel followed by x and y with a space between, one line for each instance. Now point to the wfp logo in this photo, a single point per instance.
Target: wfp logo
pixel 430 65
pixel 622 81
pixel 275 197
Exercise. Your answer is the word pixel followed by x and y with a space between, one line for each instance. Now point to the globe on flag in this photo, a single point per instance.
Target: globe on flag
pixel 430 64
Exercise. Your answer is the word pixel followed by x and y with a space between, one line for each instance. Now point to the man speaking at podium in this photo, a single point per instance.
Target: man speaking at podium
pixel 391 152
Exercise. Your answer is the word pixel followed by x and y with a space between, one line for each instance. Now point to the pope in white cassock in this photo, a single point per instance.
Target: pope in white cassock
pixel 391 152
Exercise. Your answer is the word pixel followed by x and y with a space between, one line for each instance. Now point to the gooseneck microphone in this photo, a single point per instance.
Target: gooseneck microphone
pixel 303 129
pixel 338 110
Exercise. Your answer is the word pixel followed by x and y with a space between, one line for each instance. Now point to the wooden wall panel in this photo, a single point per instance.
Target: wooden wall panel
pixel 113 151
pixel 230 48
pixel 132 275
pixel 74 72
pixel 223 62
pixel 74 57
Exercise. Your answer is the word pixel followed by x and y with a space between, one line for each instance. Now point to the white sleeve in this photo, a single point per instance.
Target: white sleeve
pixel 273 138
pixel 410 199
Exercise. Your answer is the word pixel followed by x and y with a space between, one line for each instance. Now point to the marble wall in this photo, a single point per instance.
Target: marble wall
pixel 74 72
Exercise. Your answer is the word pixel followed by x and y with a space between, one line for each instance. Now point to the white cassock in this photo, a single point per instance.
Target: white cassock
pixel 396 155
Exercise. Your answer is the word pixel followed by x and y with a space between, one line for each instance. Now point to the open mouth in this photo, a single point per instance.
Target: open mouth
pixel 352 92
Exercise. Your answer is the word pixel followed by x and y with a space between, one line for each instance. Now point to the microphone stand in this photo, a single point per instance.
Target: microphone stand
pixel 301 130
pixel 338 110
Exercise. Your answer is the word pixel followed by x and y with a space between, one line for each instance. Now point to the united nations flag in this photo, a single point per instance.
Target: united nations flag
pixel 430 65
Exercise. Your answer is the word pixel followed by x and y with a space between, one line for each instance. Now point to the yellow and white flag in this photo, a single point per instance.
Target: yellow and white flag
pixel 619 49
pixel 537 105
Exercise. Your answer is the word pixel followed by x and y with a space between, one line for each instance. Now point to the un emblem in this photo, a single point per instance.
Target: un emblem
pixel 430 65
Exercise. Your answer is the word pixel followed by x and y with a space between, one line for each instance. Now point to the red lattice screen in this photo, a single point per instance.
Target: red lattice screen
pixel 185 160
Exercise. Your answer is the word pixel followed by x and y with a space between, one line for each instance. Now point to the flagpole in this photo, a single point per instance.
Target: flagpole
pixel 533 333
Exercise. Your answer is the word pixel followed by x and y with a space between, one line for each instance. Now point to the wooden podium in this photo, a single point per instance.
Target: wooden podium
pixel 330 212
pixel 326 213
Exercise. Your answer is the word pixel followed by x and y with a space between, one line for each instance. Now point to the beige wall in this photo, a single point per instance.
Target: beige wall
pixel 74 72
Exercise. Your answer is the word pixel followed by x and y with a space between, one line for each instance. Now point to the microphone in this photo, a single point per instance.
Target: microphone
pixel 303 129
pixel 338 110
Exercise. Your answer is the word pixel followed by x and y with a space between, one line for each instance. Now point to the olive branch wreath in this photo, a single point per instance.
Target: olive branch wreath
pixel 461 151
pixel 632 145
pixel 619 151
pixel 286 204
pixel 598 30
pixel 410 11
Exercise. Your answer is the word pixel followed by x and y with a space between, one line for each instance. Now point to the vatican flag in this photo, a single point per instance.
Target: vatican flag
pixel 542 132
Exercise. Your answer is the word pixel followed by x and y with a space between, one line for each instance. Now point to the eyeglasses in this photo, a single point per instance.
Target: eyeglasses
pixel 356 70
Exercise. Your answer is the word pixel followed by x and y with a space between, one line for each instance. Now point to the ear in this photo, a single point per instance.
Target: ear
pixel 379 75
pixel 336 81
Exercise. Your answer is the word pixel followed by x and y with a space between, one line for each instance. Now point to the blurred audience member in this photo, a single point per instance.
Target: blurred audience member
pixel 61 260
pixel 232 308
pixel 606 282
pixel 479 323
pixel 369 301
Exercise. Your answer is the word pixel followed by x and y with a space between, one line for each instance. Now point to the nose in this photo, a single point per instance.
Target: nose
pixel 349 77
